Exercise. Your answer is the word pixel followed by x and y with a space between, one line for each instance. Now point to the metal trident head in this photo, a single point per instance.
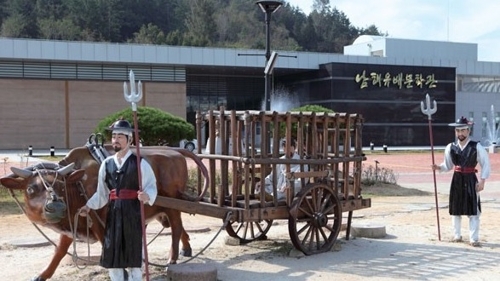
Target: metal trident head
pixel 428 110
pixel 134 96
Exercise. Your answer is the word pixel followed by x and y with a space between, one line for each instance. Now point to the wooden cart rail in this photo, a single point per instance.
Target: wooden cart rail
pixel 242 214
pixel 247 167
pixel 322 128
pixel 248 148
pixel 311 161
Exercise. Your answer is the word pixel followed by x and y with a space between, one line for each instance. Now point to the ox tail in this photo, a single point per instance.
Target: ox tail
pixel 201 166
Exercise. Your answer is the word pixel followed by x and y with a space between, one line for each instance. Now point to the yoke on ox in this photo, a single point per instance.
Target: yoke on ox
pixel 53 194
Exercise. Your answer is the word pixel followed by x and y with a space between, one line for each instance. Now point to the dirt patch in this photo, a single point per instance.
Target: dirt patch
pixel 202 230
pixel 411 248
pixel 387 189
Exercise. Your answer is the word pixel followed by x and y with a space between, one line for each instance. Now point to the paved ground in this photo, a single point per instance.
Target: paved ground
pixel 414 171
pixel 410 250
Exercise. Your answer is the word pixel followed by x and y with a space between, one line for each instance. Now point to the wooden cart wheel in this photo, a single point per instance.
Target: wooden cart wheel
pixel 315 219
pixel 249 231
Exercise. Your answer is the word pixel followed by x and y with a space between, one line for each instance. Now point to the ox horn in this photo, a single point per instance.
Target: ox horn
pixel 21 172
pixel 66 169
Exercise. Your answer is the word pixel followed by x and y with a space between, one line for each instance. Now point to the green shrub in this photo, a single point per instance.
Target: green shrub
pixel 156 126
pixel 313 108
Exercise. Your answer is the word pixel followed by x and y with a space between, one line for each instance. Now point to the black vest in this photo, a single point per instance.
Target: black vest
pixel 466 157
pixel 124 178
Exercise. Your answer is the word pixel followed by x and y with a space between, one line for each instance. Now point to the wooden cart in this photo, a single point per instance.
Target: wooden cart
pixel 330 149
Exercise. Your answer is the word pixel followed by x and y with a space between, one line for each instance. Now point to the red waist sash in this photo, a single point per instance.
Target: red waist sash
pixel 465 170
pixel 124 194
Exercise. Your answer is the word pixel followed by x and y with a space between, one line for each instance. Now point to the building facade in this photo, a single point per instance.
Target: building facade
pixel 389 98
pixel 53 93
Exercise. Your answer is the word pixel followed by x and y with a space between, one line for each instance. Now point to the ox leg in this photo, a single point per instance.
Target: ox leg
pixel 186 247
pixel 174 217
pixel 60 252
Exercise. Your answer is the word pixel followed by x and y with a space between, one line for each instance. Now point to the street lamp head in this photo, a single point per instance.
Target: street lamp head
pixel 269 6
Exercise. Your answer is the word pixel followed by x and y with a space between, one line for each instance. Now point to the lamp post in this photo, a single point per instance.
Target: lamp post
pixel 268 7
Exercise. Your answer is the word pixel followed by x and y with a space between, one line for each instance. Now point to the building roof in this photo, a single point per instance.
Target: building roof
pixel 114 53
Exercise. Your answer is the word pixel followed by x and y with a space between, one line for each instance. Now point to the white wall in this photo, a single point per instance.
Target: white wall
pixel 477 103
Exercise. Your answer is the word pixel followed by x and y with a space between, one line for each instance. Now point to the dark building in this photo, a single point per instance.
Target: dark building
pixel 388 96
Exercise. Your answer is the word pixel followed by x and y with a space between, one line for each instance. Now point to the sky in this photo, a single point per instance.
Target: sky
pixel 463 21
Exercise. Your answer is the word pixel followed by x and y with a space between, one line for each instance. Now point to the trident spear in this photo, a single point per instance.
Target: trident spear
pixel 428 110
pixel 134 97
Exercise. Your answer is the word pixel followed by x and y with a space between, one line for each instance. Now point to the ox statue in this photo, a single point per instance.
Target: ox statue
pixel 54 193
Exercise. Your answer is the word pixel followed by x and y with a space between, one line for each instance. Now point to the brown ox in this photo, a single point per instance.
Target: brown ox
pixel 73 187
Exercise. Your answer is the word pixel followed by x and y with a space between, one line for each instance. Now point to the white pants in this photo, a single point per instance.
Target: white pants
pixel 473 227
pixel 134 274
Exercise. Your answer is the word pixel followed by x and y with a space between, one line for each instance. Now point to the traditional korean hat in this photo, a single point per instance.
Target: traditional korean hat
pixel 462 123
pixel 121 127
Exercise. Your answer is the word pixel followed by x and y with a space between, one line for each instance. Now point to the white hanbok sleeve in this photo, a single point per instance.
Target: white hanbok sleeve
pixel 483 160
pixel 149 181
pixel 101 196
pixel 447 162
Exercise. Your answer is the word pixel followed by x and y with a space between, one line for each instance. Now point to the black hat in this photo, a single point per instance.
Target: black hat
pixel 462 122
pixel 121 126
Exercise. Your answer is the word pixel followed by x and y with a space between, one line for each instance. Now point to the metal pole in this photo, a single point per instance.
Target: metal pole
pixel 267 80
pixel 428 110
pixel 268 7
pixel 133 97
pixel 267 93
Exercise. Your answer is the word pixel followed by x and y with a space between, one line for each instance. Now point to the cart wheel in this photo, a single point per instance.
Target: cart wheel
pixel 315 219
pixel 249 231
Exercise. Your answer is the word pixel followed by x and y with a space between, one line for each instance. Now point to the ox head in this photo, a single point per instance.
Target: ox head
pixel 44 188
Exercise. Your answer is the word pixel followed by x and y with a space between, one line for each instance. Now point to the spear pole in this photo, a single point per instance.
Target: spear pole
pixel 428 110
pixel 134 97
